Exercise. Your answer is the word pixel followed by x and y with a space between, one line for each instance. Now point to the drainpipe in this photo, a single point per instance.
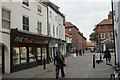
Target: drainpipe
pixel 113 30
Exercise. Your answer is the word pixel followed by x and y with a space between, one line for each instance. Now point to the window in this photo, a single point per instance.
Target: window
pixel 57 31
pixel 50 13
pixel 49 31
pixel 31 54
pixel 39 53
pixel 25 23
pixel 25 2
pixel 53 31
pixel 102 35
pixel 110 27
pixel 39 9
pixel 5 19
pixel 69 29
pixel 23 54
pixel 70 35
pixel 102 27
pixel 110 35
pixel 39 27
pixel 19 55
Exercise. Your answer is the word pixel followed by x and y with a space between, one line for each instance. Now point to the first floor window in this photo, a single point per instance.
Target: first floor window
pixel 6 19
pixel 102 35
pixel 25 23
pixel 39 27
pixel 25 2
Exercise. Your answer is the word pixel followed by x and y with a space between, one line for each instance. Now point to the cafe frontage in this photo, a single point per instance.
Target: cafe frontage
pixel 27 49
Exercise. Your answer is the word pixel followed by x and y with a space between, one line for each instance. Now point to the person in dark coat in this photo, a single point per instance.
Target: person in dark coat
pixel 107 55
pixel 60 63
pixel 76 51
pixel 80 53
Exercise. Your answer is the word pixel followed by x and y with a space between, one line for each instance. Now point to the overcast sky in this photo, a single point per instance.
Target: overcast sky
pixel 85 14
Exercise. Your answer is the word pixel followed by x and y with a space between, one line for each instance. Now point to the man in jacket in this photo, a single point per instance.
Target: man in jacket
pixel 59 64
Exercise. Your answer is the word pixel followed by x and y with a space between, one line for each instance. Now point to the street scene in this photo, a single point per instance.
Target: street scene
pixel 76 67
pixel 66 39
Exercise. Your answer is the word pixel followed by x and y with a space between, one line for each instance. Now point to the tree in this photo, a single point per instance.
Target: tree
pixel 94 36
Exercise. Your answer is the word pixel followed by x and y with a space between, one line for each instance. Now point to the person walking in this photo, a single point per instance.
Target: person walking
pixel 60 63
pixel 107 55
pixel 76 51
pixel 80 53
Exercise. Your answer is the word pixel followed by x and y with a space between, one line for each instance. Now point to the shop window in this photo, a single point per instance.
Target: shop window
pixel 39 53
pixel 31 55
pixel 23 51
pixel 16 55
pixel 44 53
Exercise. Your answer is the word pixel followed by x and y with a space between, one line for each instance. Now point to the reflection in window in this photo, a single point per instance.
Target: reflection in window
pixel 39 53
pixel 23 54
pixel 16 55
pixel 31 55
pixel 43 53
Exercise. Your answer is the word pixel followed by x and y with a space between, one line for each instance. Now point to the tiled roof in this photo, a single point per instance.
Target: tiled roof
pixel 90 43
pixel 68 24
pixel 105 22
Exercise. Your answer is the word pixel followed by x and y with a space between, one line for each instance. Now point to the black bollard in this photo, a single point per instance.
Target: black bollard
pixel 44 64
pixel 93 61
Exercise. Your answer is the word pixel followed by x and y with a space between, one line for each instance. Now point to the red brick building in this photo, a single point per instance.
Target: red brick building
pixel 105 32
pixel 78 40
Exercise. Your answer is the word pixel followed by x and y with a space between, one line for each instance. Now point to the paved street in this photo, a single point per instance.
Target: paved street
pixel 77 67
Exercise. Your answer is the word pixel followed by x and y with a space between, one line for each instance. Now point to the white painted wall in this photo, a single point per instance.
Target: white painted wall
pixel 18 10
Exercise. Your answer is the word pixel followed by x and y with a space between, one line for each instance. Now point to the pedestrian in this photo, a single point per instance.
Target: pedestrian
pixel 80 52
pixel 60 63
pixel 83 52
pixel 107 55
pixel 76 51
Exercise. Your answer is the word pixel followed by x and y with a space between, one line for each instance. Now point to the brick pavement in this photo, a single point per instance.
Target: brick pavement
pixel 77 67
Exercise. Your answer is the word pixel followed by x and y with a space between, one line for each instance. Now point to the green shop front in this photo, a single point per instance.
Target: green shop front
pixel 27 49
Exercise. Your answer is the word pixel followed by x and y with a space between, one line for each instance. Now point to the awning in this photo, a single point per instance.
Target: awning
pixel 20 36
pixel 107 41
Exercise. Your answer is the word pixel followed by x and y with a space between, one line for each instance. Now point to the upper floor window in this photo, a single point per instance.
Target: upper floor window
pixel 39 27
pixel 50 13
pixel 49 31
pixel 110 35
pixel 102 27
pixel 69 29
pixel 25 23
pixel 102 35
pixel 25 2
pixel 53 31
pixel 110 27
pixel 57 31
pixel 39 9
pixel 6 19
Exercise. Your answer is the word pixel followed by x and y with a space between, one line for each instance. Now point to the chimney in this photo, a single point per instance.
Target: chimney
pixel 110 15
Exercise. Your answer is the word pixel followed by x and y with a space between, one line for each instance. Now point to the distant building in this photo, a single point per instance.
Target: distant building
pixel 105 33
pixel 91 46
pixel 116 10
pixel 78 40
pixel 68 40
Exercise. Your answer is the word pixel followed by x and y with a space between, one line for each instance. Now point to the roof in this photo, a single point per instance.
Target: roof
pixel 53 6
pixel 105 22
pixel 69 24
pixel 90 43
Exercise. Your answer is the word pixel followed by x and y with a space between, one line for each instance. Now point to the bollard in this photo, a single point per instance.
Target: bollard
pixel 93 61
pixel 44 64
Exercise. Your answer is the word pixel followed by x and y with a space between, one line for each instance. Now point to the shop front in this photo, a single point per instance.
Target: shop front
pixel 27 49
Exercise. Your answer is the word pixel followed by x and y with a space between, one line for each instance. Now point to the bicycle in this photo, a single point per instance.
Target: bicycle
pixel 116 74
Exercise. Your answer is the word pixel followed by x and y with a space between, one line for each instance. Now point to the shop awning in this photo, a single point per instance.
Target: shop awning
pixel 20 36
